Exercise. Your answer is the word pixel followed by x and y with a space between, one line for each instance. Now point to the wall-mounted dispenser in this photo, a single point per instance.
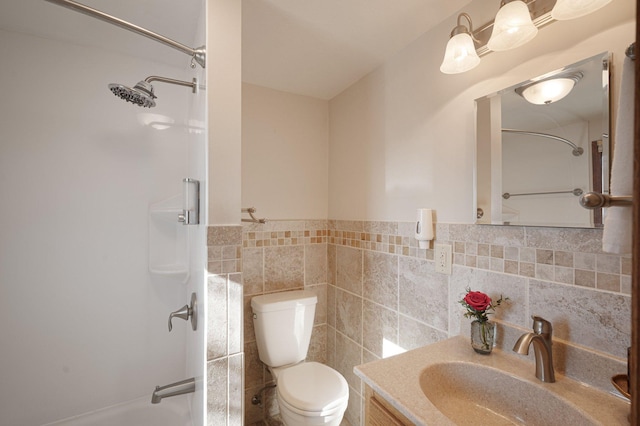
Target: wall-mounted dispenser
pixel 424 227
pixel 191 210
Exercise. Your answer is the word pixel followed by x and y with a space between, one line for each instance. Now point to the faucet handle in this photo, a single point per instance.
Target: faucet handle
pixel 541 325
pixel 187 312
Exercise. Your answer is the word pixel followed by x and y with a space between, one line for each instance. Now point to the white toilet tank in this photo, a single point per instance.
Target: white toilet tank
pixel 283 323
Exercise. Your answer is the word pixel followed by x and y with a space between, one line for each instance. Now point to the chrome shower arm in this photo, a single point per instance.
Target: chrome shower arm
pixel 193 84
pixel 197 54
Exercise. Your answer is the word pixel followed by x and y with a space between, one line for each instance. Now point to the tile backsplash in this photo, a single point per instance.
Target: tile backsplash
pixel 379 293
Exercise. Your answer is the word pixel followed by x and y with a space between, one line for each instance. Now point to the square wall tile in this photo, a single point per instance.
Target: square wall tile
pixel 594 319
pixel 284 268
pixel 253 270
pixel 217 396
pixel 349 269
pixel 217 318
pixel 349 315
pixel 315 264
pixel 235 311
pixel 380 328
pixel 423 292
pixel 414 334
pixel 380 278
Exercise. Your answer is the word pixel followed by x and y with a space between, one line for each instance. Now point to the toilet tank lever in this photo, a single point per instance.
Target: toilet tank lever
pixel 187 312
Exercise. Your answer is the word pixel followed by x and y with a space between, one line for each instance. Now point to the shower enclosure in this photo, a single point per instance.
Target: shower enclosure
pixel 84 299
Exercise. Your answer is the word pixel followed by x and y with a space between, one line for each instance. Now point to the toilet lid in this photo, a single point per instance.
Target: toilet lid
pixel 311 386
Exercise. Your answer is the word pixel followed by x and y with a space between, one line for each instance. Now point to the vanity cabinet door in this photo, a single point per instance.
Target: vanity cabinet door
pixel 379 413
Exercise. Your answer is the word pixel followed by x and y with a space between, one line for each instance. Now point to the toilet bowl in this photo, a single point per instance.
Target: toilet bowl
pixel 311 394
pixel 308 393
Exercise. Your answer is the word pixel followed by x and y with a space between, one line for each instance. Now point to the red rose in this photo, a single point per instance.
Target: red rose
pixel 477 300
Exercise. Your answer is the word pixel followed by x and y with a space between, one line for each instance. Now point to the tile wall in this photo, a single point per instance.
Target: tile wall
pixel 225 355
pixel 383 295
pixel 280 256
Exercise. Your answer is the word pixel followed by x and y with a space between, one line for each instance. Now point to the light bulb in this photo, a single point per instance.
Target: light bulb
pixel 512 27
pixel 571 9
pixel 460 55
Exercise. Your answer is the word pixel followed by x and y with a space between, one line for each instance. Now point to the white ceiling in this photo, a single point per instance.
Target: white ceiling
pixel 321 47
pixel 311 47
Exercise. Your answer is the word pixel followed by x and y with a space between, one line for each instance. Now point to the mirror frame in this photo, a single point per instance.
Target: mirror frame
pixel 488 195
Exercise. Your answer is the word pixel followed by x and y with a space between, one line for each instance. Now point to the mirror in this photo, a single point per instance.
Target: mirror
pixel 535 157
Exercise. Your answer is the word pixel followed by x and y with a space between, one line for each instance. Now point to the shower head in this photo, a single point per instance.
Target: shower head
pixel 142 93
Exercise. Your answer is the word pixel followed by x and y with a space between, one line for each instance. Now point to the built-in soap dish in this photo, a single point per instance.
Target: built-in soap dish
pixel 621 383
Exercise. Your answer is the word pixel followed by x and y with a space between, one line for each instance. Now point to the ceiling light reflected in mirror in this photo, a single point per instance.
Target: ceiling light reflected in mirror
pixel 549 91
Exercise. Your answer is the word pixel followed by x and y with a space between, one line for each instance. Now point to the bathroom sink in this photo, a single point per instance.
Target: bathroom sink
pixel 447 383
pixel 469 393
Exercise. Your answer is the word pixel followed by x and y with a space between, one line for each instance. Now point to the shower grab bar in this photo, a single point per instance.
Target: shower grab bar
pixel 577 151
pixel 596 200
pixel 251 211
pixel 575 192
pixel 198 54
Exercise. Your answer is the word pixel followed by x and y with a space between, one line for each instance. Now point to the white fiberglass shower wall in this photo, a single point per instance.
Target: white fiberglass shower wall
pixel 84 321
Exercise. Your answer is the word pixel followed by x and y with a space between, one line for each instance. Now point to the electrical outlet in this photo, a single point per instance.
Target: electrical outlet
pixel 443 258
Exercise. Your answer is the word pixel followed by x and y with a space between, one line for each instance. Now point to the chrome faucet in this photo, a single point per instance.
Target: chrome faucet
pixel 541 340
pixel 173 389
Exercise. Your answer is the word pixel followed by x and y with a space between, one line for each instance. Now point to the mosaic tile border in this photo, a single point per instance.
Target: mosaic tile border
pixel 283 238
pixel 564 255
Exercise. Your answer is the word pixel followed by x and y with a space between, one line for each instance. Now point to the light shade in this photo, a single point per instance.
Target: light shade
pixel 513 27
pixel 549 91
pixel 570 9
pixel 460 55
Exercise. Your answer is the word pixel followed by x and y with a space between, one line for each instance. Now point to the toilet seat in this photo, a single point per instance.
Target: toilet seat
pixel 312 389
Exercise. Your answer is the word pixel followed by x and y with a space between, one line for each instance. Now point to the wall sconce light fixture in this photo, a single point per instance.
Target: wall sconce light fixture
pixel 571 9
pixel 516 23
pixel 512 27
pixel 549 91
pixel 460 54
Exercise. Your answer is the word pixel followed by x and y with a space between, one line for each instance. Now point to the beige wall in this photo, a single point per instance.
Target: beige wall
pixel 285 154
pixel 403 137
pixel 224 99
pixel 225 355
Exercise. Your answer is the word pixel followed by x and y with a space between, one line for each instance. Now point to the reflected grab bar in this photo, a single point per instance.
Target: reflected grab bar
pixel 596 200
pixel 575 192
pixel 576 150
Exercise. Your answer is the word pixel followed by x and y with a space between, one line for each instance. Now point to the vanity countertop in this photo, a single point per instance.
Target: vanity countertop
pixel 397 380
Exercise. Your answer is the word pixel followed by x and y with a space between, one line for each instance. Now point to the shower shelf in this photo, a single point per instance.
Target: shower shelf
pixel 168 241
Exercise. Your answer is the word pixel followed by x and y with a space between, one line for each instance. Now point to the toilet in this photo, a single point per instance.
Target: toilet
pixel 308 393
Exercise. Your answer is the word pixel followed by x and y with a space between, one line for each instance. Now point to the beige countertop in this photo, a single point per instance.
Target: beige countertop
pixel 397 379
